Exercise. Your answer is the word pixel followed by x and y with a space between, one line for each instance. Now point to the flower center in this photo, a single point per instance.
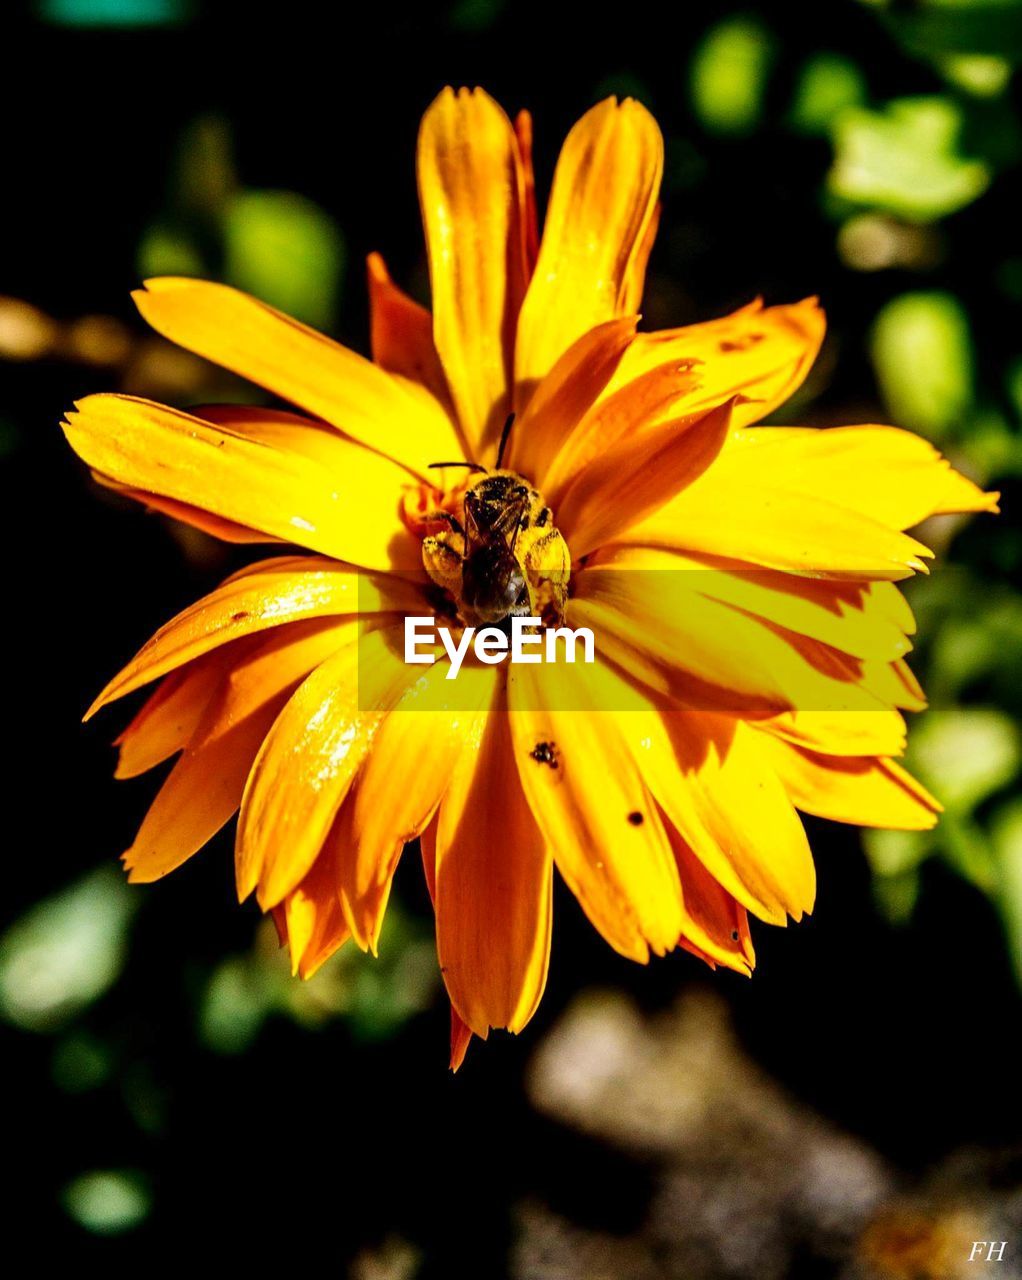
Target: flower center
pixel 492 546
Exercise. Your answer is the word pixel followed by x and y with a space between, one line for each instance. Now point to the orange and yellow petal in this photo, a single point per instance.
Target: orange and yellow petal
pixel 305 485
pixel 716 926
pixel 760 353
pixel 615 418
pixel 843 615
pixel 612 493
pixel 593 806
pixel 595 234
pixel 304 367
pixel 419 743
pixel 564 397
pixel 704 654
pixel 401 332
pixel 863 790
pixel 730 809
pixel 165 723
pixel 523 132
pixel 888 475
pixel 494 884
pixel 202 792
pixel 314 924
pixel 764 524
pixel 461 1038
pixel 471 188
pixel 309 760
pixel 271 593
pixel 214 526
pixel 841 733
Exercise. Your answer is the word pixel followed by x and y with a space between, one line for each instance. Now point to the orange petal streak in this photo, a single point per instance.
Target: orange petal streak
pixel 594 808
pixel 493 886
pixel 401 332
pixel 268 594
pixel 202 792
pixel 603 199
pixel 883 473
pixel 168 719
pixel 763 355
pixel 300 483
pixel 617 490
pixel 300 365
pixel 565 395
pixel 309 761
pixel 861 790
pixel 472 194
pixel 419 743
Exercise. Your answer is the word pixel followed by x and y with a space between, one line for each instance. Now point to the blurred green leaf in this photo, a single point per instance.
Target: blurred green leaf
pixel 965 754
pixel 729 74
pixel 894 858
pixel 984 636
pixel 204 176
pixel 66 951
pixel 167 251
pixel 930 28
pixel 81 1062
pixel 905 159
pixel 374 994
pixel 977 73
pixel 897 853
pixel 285 250
pixel 116 13
pixel 827 84
pixel 1006 833
pixel 107 1202
pixel 1014 385
pixel 963 844
pixel 896 896
pixel 922 354
pixel 475 15
pixel 10 437
pixel 235 1005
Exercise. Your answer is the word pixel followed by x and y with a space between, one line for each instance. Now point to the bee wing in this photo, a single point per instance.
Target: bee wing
pixel 510 520
pixel 473 536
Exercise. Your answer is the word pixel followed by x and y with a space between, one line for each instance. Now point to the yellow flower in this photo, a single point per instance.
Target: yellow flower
pixel 751 641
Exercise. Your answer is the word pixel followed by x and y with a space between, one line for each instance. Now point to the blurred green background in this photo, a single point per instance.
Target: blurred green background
pixel 854 1109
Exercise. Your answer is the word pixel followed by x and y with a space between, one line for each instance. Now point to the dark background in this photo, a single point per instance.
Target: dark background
pixel 188 1083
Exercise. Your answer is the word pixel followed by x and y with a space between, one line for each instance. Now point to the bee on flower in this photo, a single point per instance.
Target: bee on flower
pixel 523 449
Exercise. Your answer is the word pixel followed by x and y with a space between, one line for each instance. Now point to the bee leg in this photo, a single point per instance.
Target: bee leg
pixel 522 607
pixel 450 520
pixel 547 568
pixel 443 562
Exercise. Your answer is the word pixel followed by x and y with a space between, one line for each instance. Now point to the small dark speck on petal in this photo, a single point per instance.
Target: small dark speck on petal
pixel 636 818
pixel 734 935
pixel 545 753
pixel 240 617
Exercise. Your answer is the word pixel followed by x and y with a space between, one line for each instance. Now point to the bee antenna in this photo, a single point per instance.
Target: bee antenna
pixel 504 436
pixel 472 466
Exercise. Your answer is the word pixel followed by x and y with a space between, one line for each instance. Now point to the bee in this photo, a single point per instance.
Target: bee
pixel 504 558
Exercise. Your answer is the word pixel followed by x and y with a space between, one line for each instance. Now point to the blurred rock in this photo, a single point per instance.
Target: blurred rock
pixel 747 1182
pixel 26 333
pixel 395 1259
